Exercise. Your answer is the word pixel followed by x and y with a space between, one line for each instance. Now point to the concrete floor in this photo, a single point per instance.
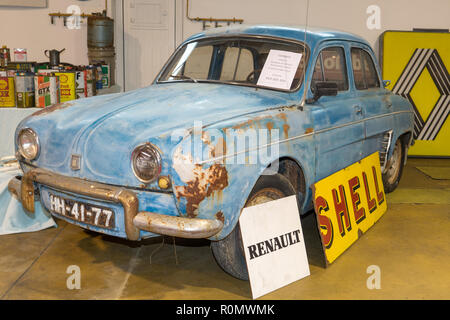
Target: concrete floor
pixel 410 244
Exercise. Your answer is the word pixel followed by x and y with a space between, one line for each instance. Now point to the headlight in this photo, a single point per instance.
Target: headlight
pixel 28 144
pixel 146 162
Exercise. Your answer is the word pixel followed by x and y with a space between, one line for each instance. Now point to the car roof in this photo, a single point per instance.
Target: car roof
pixel 314 35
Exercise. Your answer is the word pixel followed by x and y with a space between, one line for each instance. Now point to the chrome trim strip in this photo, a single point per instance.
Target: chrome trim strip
pixel 384 166
pixel 126 198
pixel 134 221
pixel 192 228
pixel 298 137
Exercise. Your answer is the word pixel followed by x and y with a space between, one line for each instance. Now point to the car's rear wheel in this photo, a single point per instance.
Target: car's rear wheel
pixel 394 168
pixel 229 252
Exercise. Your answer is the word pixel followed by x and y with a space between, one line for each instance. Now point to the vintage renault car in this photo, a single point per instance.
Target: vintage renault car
pixel 238 116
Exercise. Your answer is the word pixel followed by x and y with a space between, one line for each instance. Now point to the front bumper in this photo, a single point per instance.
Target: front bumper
pixel 135 221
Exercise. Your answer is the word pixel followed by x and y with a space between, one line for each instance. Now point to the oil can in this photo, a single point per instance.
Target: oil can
pixel 24 90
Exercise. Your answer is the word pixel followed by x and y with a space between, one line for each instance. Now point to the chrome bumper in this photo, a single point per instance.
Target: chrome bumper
pixel 134 221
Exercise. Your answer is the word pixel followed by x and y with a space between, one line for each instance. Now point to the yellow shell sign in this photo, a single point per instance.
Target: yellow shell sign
pixel 348 203
pixel 3 84
pixel 418 64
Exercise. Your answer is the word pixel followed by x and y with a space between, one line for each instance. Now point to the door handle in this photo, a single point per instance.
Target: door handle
pixel 358 109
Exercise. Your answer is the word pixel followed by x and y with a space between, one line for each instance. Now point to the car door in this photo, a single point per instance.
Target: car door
pixel 374 100
pixel 338 120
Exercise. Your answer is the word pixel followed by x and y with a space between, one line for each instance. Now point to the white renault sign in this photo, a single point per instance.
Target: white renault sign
pixel 274 247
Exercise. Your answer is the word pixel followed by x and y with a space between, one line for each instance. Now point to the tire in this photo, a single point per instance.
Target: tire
pixel 394 167
pixel 229 252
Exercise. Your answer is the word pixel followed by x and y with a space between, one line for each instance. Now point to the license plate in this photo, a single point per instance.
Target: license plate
pixel 82 212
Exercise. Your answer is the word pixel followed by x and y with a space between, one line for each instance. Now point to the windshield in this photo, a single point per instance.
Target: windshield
pixel 258 62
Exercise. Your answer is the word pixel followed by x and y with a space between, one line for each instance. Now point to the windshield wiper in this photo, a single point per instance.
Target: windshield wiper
pixel 182 77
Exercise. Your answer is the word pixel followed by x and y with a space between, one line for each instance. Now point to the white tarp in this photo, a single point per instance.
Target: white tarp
pixel 13 218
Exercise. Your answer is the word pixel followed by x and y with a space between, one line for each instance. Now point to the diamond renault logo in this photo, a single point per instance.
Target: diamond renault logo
pixel 429 59
pixel 75 162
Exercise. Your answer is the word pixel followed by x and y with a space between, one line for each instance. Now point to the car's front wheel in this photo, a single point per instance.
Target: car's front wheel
pixel 391 176
pixel 229 252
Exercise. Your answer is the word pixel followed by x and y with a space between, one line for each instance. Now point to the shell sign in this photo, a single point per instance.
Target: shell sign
pixel 348 203
pixel 7 93
pixel 417 65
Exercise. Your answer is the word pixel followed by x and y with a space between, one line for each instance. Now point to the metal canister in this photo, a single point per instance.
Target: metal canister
pixel 20 54
pixel 5 56
pixel 67 85
pixel 11 73
pixel 81 84
pixel 22 66
pixel 106 76
pixel 91 81
pixel 46 88
pixel 104 56
pixel 24 90
pixel 7 96
pixel 100 32
pixel 99 83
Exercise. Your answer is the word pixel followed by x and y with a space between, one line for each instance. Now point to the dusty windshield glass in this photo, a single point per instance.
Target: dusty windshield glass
pixel 240 61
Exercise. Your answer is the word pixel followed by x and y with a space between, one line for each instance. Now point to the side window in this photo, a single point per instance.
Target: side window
pixel 330 67
pixel 364 71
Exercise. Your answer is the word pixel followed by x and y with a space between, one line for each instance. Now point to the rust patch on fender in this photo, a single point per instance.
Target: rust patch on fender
pixel 205 183
pixel 286 130
pixel 47 110
pixel 250 123
pixel 269 126
pixel 286 127
pixel 282 116
pixel 220 217
pixel 220 148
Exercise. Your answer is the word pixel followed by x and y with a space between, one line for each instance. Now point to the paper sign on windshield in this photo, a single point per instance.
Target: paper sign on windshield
pixel 279 69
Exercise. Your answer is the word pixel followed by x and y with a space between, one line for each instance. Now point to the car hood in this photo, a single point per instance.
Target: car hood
pixel 104 130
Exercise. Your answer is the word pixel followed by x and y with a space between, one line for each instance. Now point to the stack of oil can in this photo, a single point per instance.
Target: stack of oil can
pixel 30 84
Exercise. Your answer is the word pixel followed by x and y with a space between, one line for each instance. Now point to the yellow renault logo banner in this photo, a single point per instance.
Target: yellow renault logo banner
pixel 348 203
pixel 418 64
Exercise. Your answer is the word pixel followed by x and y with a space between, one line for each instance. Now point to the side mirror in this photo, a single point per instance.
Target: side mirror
pixel 324 88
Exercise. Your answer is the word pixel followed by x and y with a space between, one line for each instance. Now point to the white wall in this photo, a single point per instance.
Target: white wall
pixel 31 28
pixel 346 15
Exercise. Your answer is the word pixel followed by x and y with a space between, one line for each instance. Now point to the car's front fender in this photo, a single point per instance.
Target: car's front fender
pixel 213 171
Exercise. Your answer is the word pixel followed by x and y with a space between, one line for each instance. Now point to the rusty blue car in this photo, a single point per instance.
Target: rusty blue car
pixel 238 116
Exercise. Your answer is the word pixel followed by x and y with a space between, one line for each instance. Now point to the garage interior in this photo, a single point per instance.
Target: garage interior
pixel 409 243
